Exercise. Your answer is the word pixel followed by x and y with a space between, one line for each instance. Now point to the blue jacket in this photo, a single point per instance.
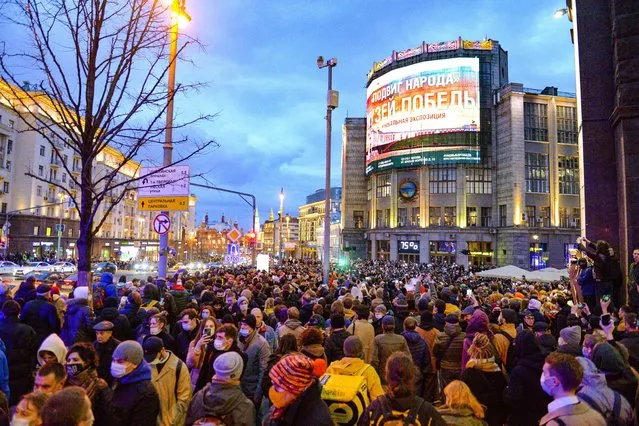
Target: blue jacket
pixel 587 282
pixel 78 322
pixel 4 370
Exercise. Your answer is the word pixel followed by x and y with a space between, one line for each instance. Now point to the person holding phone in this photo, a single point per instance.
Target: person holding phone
pixel 199 347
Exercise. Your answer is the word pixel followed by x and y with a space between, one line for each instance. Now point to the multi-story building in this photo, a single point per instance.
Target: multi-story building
pixel 482 172
pixel 33 208
pixel 284 235
pixel 311 216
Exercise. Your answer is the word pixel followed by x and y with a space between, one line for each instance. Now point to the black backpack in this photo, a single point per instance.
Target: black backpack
pixel 509 363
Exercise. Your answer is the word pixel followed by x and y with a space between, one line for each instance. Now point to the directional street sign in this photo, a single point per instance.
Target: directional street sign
pixel 163 203
pixel 161 224
pixel 161 182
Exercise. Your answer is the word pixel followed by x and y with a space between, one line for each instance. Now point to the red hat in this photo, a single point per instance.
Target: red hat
pixel 293 373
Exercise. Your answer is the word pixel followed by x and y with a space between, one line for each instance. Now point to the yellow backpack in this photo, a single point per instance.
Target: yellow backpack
pixel 346 396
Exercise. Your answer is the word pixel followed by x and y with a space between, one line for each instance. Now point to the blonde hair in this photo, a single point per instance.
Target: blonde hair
pixel 458 395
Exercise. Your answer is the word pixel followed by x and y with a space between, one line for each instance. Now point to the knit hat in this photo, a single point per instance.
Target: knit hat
pixel 228 366
pixel 534 304
pixel 481 347
pixel 129 350
pixel 353 347
pixel 571 335
pixel 293 373
pixel 388 320
pixel 540 326
pixel 469 310
pixel 81 292
pixel 509 315
pixel 250 321
pixel 242 299
pixel 43 289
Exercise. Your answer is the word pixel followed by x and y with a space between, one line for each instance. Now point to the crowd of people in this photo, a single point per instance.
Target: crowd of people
pixel 383 343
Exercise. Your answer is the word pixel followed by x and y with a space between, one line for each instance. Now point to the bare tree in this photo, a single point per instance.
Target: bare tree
pixel 104 65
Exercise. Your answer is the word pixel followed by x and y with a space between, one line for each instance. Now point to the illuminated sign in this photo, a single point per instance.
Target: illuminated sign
pixel 407 246
pixel 407 190
pixel 422 114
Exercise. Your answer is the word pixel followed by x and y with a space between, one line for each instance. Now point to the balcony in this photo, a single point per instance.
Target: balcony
pixel 56 162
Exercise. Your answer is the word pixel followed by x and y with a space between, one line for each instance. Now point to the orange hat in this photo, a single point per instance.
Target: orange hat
pixel 519 295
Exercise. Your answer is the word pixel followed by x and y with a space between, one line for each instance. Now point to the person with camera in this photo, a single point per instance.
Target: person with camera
pixel 605 270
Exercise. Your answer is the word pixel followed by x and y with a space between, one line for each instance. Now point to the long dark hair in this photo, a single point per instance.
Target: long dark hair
pixel 288 344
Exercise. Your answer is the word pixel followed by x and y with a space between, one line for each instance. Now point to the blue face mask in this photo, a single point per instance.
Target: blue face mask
pixel 244 333
pixel 205 315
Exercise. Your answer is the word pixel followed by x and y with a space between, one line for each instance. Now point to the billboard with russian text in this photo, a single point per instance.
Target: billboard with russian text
pixel 424 114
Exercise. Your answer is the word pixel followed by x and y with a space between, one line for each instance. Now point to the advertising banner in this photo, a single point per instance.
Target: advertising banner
pixel 425 113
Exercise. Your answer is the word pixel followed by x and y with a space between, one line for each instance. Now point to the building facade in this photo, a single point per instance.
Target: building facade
pixel 311 217
pixel 517 203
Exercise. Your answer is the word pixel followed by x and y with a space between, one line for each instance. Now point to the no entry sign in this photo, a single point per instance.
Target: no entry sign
pixel 161 224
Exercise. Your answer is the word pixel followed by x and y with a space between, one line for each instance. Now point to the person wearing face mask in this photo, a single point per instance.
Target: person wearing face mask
pixel 157 327
pixel 378 315
pixel 560 378
pixel 81 367
pixel 201 347
pixel 241 309
pixel 257 351
pixel 29 410
pixel 41 314
pixel 171 380
pixel 135 401
pixel 225 340
pixel 69 407
pixel 206 311
pixel 188 324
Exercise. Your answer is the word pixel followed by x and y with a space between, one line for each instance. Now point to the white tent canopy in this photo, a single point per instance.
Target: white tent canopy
pixel 509 271
pixel 547 275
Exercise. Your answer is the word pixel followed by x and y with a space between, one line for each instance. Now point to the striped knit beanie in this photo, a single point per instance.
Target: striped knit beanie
pixel 293 373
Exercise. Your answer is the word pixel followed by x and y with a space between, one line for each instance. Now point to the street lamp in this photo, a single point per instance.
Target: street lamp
pixel 559 13
pixel 281 216
pixel 332 101
pixel 63 198
pixel 179 19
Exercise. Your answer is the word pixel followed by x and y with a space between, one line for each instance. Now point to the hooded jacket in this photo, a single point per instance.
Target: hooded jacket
pixel 181 297
pixel 348 366
pixel 25 293
pixel 53 344
pixel 134 401
pixel 291 326
pixel 618 375
pixel 451 358
pixel 224 401
pixel 478 323
pixel 42 316
pixel 427 414
pixel 77 322
pixel 419 351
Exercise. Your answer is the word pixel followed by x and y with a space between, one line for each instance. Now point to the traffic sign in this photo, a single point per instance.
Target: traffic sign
pixel 163 203
pixel 59 227
pixel 161 224
pixel 233 235
pixel 161 181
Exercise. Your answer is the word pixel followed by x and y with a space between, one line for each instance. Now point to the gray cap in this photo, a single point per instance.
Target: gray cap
pixel 103 326
pixel 229 365
pixel 129 350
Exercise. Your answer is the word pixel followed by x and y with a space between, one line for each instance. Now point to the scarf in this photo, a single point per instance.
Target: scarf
pixel 220 381
pixel 89 381
pixel 487 365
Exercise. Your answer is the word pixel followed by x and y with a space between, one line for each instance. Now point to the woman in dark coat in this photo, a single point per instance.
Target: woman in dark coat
pixel 78 322
pixel 525 400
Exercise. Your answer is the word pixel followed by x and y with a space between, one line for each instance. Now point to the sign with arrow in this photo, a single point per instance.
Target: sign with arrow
pixel 161 224
pixel 164 181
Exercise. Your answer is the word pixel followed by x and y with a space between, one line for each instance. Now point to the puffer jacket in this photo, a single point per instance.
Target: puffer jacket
pixel 385 345
pixel 451 358
pixel 181 298
pixel 121 327
pixel 130 311
pixel 22 345
pixel 334 347
pixel 257 353
pixel 224 401
pixel 55 345
pixel 42 316
pixel 77 322
pixel 419 351
pixel 25 293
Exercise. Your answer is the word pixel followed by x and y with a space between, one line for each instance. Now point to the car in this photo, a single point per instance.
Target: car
pixel 44 277
pixel 105 267
pixel 64 267
pixel 33 267
pixel 214 265
pixel 144 266
pixel 8 268
pixel 195 266
pixel 177 267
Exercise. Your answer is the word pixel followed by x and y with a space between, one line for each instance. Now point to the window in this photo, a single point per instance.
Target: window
pixel 402 217
pixel 443 180
pixel 12 124
pixel 537 172
pixel 450 216
pixel 568 175
pixel 40 171
pixel 576 218
pixel 503 215
pixel 414 216
pixel 48 231
pixel 4 208
pixel 386 222
pixel 70 232
pixel 544 217
pixel 9 146
pixel 36 231
pixel 486 217
pixel 42 151
pixel 39 191
pixel 471 216
pixel 65 159
pixel 378 218
pixel 9 165
pixel 564 219
pixel 358 219
pixel 566 125
pixel 535 122
pixel 5 187
pixel 383 185
pixel 531 215
pixel 64 177
pixel 369 190
pixel 435 216
pixel 479 180
pixel 538 255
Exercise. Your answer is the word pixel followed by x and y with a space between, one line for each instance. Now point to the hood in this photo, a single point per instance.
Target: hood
pixel 142 372
pixel 293 324
pixel 412 336
pixel 315 350
pixel 593 378
pixel 74 305
pixel 607 358
pixel 53 343
pixel 479 323
pixel 106 279
pixel 110 314
pixel 526 345
pixel 452 329
pixel 219 399
pixel 25 286
pixel 347 366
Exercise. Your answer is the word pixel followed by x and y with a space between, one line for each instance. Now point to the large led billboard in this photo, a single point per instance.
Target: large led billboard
pixel 423 114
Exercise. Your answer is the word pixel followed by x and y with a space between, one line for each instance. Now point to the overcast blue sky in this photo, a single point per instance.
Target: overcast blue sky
pixel 259 63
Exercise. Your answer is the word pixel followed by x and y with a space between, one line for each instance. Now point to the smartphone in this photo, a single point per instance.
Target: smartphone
pixel 206 332
pixel 469 292
pixel 605 297
pixel 605 320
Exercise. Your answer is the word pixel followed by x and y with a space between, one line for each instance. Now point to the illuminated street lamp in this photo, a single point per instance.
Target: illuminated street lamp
pixel 559 13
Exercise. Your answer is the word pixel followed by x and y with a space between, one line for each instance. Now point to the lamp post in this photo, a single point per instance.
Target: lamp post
pixel 63 198
pixel 280 214
pixel 332 101
pixel 179 19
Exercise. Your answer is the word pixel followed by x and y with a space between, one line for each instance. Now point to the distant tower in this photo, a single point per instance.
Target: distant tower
pixel 222 221
pixel 206 219
pixel 256 225
pixel 271 217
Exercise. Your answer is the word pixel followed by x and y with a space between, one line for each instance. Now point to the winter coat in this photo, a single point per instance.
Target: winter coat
pixel 501 342
pixel 306 311
pixel 21 347
pixel 183 341
pixel 419 351
pixel 579 414
pixel 631 342
pixel 618 375
pixel 291 326
pixel 427 414
pixel 78 320
pixel 26 292
pixel 55 345
pixel 173 405
pixel 134 401
pixel 385 345
pixel 334 346
pixel 366 333
pixel 42 316
pixel 487 383
pixel 105 354
pixel 4 371
pixel 429 334
pixel 121 327
pixel 308 410
pixel 524 397
pixel 181 297
pixel 209 357
pixel 224 401
pixel 355 366
pixel 130 311
pixel 257 352
pixel 547 343
pixel 451 358
pixel 570 349
pixel 267 332
pixel 478 323
pixel 460 417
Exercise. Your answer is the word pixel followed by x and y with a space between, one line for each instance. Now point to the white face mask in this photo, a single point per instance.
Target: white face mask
pixel 219 344
pixel 118 370
pixel 379 316
pixel 187 326
pixel 20 422
pixel 155 330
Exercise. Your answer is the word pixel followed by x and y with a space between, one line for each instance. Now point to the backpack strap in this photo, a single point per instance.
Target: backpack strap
pixel 588 400
pixel 414 412
pixel 177 376
pixel 616 405
pixel 387 409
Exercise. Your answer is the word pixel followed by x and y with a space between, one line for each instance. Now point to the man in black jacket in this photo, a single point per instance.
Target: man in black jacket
pixel 134 401
pixel 41 314
pixel 21 342
pixel 105 345
pixel 334 347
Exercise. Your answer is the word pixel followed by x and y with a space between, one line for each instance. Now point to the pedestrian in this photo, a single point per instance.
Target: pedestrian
pixel 265 330
pixel 448 351
pixel 200 347
pixel 135 401
pixel 29 409
pixel 121 327
pixel 59 302
pixel 562 375
pixel 257 352
pixel 132 308
pixel 462 407
pixel 52 350
pixel 157 328
pixel 334 345
pixel 40 314
pixel 21 343
pixel 26 292
pixel 292 325
pixel 171 380
pixel 630 339
pixel 50 378
pixel 611 363
pixel 225 341
pixel 69 407
pixel 361 328
pixel 180 295
pixel 4 373
pixel 400 399
pixel 222 400
pixel 420 353
pixel 478 323
pixel 386 344
pixel 295 395
pixel 188 330
pixel 547 342
pixel 287 345
pixel 570 341
pixel 505 337
pixel 105 345
pixel 378 316
pixel 429 333
pixel 78 318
